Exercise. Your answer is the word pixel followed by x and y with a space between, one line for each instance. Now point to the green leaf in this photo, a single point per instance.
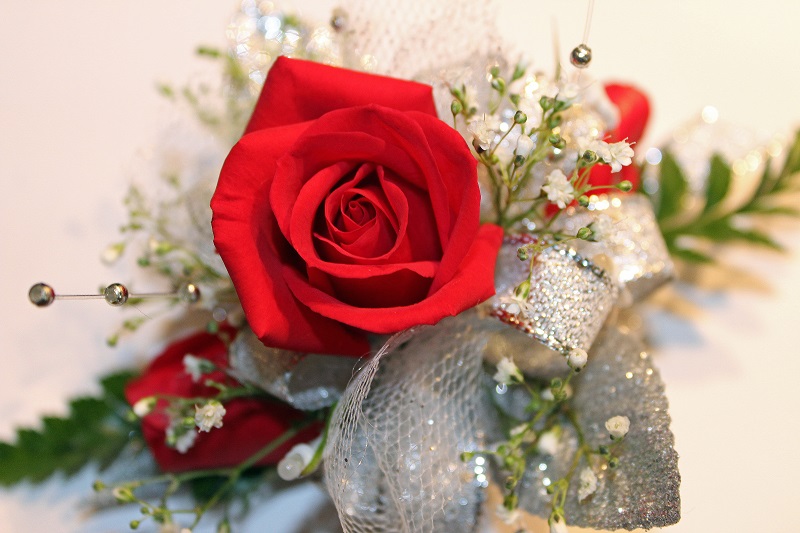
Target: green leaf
pixel 691 256
pixel 719 182
pixel 723 231
pixel 673 187
pixel 95 430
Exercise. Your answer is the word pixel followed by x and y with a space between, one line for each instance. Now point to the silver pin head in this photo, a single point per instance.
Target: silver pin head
pixel 41 295
pixel 116 294
pixel 581 56
pixel 189 293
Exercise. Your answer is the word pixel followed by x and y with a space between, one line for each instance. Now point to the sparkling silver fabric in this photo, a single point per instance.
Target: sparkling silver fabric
pixel 392 459
pixel 634 244
pixel 306 381
pixel 643 492
pixel 570 299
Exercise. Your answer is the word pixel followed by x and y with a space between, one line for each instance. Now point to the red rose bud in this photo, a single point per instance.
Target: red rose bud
pixel 349 208
pixel 249 424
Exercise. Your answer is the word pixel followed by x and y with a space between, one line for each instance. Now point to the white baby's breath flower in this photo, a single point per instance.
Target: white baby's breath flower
pixel 620 155
pixel 602 227
pixel 525 146
pixel 558 189
pixel 483 130
pixel 577 359
pixel 507 372
pixel 618 426
pixel 506 515
pixel 209 416
pixel 557 525
pixel 587 484
pixel 548 443
pixel 144 406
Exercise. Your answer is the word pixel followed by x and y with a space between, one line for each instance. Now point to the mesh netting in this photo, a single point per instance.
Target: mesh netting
pixel 392 462
pixel 402 39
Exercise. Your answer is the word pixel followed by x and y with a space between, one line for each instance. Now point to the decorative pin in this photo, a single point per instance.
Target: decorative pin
pixel 116 294
pixel 581 56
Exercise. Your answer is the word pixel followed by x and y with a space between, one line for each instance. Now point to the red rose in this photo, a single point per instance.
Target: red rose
pixel 248 425
pixel 349 208
pixel 634 110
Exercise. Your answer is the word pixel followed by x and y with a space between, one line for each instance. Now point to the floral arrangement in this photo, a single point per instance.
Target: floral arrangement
pixel 416 288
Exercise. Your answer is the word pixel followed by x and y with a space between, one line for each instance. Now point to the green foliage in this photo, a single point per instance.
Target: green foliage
pixel 718 221
pixel 95 430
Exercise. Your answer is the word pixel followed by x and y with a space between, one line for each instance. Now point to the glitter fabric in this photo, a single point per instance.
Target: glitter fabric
pixel 306 381
pixel 634 244
pixel 569 300
pixel 643 491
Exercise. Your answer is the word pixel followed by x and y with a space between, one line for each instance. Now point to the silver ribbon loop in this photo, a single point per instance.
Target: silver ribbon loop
pixel 633 243
pixel 569 300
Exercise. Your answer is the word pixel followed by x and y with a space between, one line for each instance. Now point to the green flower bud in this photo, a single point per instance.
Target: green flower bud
pixel 520 117
pixel 499 85
pixel 523 254
pixel 467 456
pixel 523 289
pixel 456 107
pixel 546 103
pixel 589 157
pixel 135 524
pixel 556 383
pixel 625 186
pixel 98 485
pixel 613 462
pixel 519 161
pixel 583 201
pixel 494 71
pixel 584 233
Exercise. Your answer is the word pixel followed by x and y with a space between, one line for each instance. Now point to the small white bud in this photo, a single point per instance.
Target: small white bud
pixel 525 146
pixel 577 359
pixel 548 443
pixel 507 516
pixel 587 484
pixel 507 372
pixel 293 464
pixel 557 525
pixel 144 407
pixel 618 426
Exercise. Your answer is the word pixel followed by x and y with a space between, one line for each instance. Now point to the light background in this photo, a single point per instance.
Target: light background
pixel 77 101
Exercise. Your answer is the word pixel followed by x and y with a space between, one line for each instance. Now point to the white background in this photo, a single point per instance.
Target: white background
pixel 77 101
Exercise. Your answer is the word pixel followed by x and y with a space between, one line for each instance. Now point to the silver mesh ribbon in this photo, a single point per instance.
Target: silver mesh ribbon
pixel 570 298
pixel 392 461
pixel 306 381
pixel 634 245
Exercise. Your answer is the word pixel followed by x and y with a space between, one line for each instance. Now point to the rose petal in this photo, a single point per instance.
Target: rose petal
pixel 472 284
pixel 247 237
pixel 298 91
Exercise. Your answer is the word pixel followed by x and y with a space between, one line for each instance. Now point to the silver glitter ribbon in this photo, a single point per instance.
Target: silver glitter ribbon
pixel 634 245
pixel 305 381
pixel 643 491
pixel 569 299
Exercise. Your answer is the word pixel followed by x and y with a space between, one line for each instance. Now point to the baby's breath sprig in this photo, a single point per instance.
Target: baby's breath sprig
pixel 550 410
